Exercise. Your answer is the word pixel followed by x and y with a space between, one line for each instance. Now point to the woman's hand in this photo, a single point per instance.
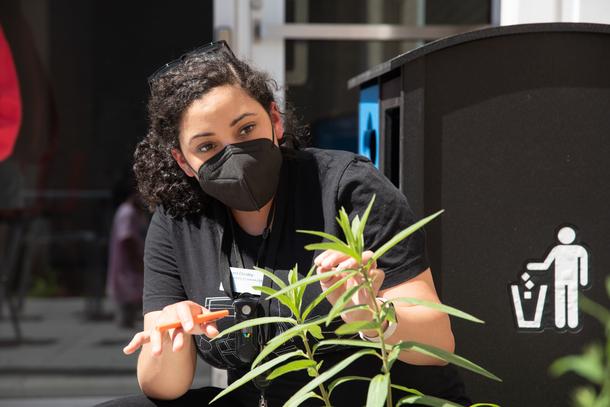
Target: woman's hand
pixel 184 312
pixel 332 260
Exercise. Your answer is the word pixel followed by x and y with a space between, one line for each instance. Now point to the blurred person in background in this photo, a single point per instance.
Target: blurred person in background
pixel 126 251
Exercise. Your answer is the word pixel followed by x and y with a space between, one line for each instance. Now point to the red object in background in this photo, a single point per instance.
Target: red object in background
pixel 10 100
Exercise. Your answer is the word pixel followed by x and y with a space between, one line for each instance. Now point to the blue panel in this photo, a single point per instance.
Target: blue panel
pixel 368 123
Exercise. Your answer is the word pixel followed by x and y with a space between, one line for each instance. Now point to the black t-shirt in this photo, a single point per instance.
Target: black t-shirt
pixel 183 256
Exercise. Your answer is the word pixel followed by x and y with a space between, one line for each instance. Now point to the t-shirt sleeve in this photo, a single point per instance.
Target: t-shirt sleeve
pixel 162 282
pixel 390 215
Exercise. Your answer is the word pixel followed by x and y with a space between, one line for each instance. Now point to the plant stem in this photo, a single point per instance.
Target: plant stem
pixel 377 315
pixel 310 356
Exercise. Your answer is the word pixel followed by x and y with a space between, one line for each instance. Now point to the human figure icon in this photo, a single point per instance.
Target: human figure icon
pixel 571 268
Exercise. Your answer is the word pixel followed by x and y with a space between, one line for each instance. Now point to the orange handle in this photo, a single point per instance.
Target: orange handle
pixel 199 319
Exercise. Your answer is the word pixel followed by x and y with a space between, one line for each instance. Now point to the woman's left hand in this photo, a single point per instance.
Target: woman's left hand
pixel 332 260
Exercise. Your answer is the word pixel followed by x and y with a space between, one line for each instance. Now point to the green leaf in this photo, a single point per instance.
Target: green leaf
pixel 365 217
pixel 293 275
pixel 438 307
pixel 393 355
pixel 281 298
pixel 326 375
pixel 407 390
pixel 347 342
pixel 323 235
pixel 378 390
pixel 271 276
pixel 339 305
pixel 355 327
pixel 347 231
pixel 301 290
pixel 589 365
pixel 402 235
pixel 608 286
pixel 304 397
pixel 448 357
pixel 347 250
pixel 254 322
pixel 316 332
pixel 484 405
pixel 257 371
pixel 326 292
pixel 345 379
pixel 585 396
pixel 306 281
pixel 291 367
pixel 426 401
pixel 594 309
pixel 285 336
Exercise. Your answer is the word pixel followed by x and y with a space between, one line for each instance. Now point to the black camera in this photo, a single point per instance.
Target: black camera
pixel 249 340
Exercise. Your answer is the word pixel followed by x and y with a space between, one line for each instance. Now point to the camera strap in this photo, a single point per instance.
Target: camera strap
pixel 228 244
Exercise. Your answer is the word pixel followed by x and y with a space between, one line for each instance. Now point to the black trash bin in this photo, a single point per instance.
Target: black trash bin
pixel 508 130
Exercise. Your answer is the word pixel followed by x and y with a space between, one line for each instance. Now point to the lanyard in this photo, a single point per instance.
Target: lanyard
pixel 229 244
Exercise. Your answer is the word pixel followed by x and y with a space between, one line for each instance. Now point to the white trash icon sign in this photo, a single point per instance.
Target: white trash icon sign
pixel 565 269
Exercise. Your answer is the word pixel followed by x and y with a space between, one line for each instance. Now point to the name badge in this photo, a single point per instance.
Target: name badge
pixel 244 279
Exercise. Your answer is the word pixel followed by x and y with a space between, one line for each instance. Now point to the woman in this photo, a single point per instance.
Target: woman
pixel 225 194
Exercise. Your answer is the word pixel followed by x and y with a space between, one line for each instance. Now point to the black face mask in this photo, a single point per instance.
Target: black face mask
pixel 243 176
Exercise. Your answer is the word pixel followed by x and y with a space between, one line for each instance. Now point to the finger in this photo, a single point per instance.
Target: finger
pixel 156 340
pixel 177 340
pixel 136 342
pixel 209 329
pixel 378 276
pixel 185 315
pixel 350 263
pixel 366 256
pixel 329 259
pixel 330 280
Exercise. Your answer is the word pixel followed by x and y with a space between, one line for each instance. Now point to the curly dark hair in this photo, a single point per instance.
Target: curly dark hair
pixel 160 180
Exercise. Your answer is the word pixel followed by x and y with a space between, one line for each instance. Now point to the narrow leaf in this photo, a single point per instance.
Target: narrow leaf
pixel 345 379
pixel 257 371
pixel 326 375
pixel 347 230
pixel 271 276
pixel 589 365
pixel 254 322
pixel 306 281
pixel 365 217
pixel 355 327
pixel 378 390
pixel 316 332
pixel 323 235
pixel 448 357
pixel 594 309
pixel 402 235
pixel 291 367
pixel 304 397
pixel 347 250
pixel 284 337
pixel 341 302
pixel 438 307
pixel 325 294
pixel 347 342
pixel 281 298
pixel 426 401
pixel 485 405
pixel 393 356
pixel 407 390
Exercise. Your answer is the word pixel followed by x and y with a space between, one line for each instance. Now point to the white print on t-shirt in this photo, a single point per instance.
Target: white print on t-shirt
pixel 571 270
pixel 244 280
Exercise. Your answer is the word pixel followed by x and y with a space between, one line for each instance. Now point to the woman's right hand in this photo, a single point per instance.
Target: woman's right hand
pixel 184 312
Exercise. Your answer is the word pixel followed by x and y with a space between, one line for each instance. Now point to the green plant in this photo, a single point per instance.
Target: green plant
pixel 593 364
pixel 291 293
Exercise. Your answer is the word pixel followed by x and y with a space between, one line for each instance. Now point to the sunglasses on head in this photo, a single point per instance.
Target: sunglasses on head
pixel 215 46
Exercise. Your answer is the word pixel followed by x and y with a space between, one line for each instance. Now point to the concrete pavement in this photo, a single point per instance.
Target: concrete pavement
pixel 63 355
